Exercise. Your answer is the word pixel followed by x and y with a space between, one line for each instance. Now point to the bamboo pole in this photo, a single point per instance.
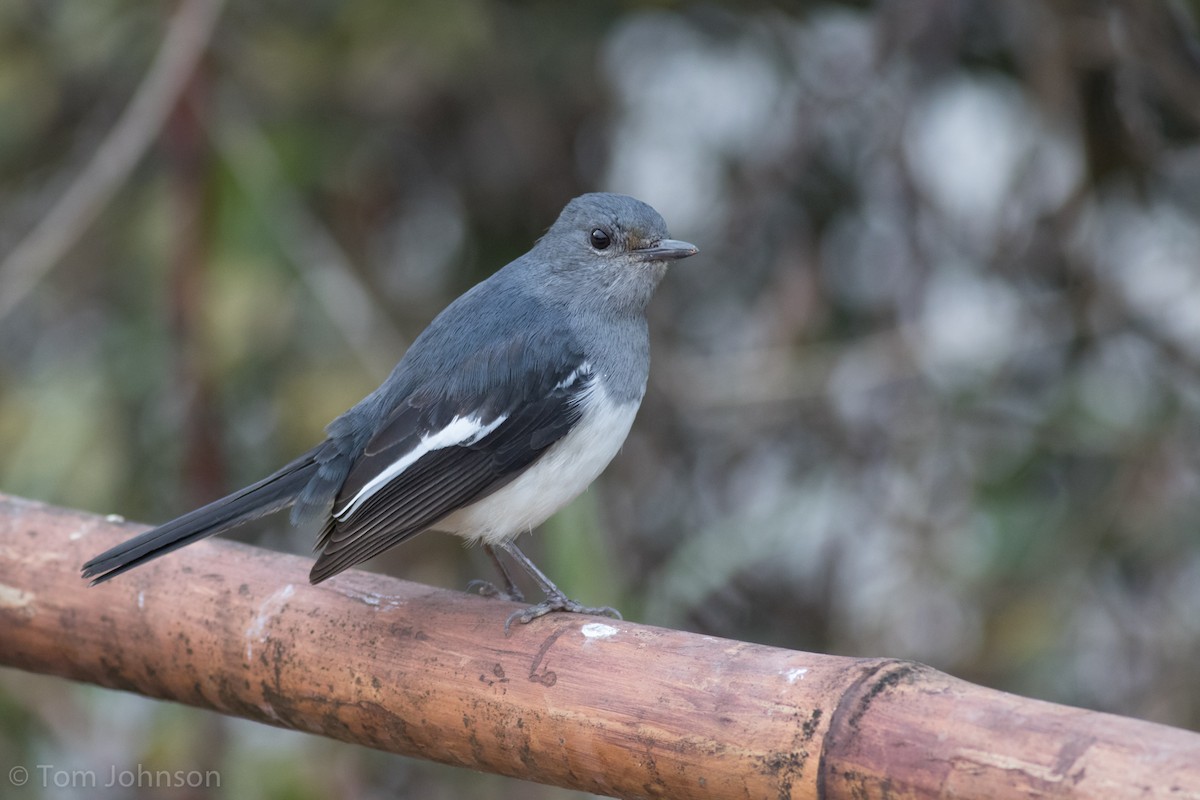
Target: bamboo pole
pixel 595 704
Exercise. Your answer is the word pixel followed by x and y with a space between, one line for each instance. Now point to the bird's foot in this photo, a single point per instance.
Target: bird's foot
pixel 489 589
pixel 556 601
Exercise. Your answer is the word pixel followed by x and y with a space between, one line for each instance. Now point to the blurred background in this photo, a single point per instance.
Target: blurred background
pixel 930 391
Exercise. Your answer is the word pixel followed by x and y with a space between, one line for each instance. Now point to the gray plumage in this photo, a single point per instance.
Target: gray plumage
pixel 545 361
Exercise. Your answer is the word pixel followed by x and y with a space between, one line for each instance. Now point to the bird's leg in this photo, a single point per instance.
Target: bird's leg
pixel 488 589
pixel 555 599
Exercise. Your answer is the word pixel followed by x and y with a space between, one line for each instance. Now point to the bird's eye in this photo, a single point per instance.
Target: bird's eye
pixel 600 239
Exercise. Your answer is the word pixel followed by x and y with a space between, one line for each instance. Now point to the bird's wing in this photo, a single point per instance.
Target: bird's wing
pixel 434 455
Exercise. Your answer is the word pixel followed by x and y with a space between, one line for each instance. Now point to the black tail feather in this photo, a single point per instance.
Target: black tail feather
pixel 273 493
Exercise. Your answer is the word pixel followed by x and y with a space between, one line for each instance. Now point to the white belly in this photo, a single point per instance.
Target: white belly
pixel 562 473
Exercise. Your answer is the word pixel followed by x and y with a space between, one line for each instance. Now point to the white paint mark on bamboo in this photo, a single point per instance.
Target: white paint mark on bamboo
pixel 16 599
pixel 257 630
pixel 598 630
pixel 795 674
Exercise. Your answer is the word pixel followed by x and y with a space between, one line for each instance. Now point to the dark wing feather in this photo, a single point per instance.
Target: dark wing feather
pixel 445 480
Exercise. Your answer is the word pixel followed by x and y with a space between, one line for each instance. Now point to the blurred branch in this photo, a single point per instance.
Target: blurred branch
pixel 184 43
pixel 1161 39
pixel 188 165
pixel 603 706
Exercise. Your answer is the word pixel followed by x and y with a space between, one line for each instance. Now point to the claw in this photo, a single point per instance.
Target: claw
pixel 489 589
pixel 556 602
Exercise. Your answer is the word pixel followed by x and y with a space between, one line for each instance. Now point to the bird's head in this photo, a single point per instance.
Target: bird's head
pixel 608 249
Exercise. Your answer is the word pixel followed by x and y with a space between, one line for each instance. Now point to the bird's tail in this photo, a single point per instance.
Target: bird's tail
pixel 273 493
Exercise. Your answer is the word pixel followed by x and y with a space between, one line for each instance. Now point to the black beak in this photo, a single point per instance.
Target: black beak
pixel 666 250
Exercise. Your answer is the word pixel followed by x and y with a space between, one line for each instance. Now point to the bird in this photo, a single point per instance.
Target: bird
pixel 504 409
